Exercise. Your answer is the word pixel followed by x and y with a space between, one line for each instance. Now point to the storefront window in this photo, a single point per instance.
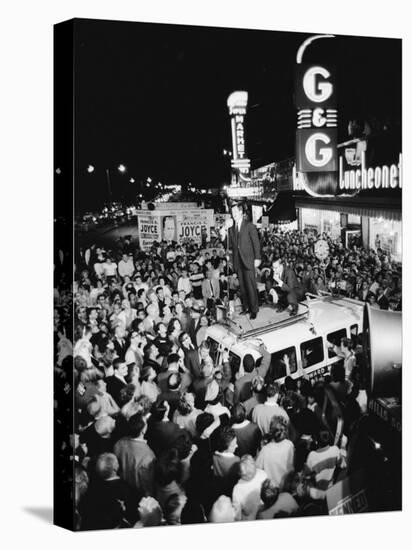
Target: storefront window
pixel 321 221
pixel 387 235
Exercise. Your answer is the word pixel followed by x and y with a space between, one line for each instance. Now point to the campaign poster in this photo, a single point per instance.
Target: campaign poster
pixel 149 229
pixel 194 224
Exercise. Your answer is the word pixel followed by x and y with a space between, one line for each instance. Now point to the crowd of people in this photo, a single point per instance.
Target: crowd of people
pixel 163 435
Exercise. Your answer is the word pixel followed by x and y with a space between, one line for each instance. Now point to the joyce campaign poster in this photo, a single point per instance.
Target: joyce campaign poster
pixel 173 226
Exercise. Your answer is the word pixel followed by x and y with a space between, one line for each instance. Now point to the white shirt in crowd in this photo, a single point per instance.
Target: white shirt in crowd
pixel 110 269
pixel 184 284
pixel 126 268
pixel 246 496
pixel 276 459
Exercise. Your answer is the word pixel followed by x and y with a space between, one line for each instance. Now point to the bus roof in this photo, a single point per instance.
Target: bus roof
pixel 324 315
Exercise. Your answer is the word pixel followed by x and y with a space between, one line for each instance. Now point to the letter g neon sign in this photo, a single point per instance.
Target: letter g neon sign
pixel 316 155
pixel 315 89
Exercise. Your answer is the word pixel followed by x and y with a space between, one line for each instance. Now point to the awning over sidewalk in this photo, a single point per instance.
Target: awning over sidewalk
pixel 283 209
pixel 372 208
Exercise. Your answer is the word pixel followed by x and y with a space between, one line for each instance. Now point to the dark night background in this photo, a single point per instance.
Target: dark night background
pixel 153 96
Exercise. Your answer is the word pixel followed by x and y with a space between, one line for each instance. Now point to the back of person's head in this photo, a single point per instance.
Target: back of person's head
pixel 324 438
pixel 278 428
pixel 247 468
pixel 174 381
pixel 136 425
pixel 203 421
pixel 183 444
pixel 248 363
pixel 107 465
pixel 168 467
pixel 226 435
pixel 222 511
pixel 238 414
pixel 269 493
pixel 158 410
pixel 184 407
pixel 290 384
pixel 272 389
pixel 145 404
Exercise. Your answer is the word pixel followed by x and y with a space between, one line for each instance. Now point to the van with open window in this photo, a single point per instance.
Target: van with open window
pixel 301 345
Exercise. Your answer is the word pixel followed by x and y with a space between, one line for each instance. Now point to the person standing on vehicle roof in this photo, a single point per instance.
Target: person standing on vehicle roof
pixel 245 245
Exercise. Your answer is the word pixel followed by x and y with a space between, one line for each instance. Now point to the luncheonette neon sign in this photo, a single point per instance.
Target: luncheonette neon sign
pixel 379 177
pixel 237 103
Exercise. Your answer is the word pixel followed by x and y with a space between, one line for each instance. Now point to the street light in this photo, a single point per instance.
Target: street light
pixel 90 168
pixel 132 180
pixel 121 168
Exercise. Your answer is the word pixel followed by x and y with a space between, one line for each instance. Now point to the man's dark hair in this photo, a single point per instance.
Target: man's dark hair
pixel 172 358
pixel 168 468
pixel 225 437
pixel 158 411
pixel 269 493
pixel 203 421
pixel 238 413
pixel 248 363
pixel 136 424
pixel 117 362
pixel 272 389
pixel 324 438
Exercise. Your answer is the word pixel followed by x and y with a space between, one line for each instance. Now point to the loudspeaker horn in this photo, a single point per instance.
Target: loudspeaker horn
pixel 383 349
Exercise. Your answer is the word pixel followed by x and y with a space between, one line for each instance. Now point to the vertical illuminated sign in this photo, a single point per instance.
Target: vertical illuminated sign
pixel 237 104
pixel 317 119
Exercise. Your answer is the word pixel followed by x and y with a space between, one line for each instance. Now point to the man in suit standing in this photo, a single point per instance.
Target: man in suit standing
pixel 287 288
pixel 245 246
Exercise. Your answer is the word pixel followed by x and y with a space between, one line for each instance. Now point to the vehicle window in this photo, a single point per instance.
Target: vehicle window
pixel 335 338
pixel 282 363
pixel 311 352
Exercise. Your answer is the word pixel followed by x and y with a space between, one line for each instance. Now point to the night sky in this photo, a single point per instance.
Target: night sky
pixel 153 96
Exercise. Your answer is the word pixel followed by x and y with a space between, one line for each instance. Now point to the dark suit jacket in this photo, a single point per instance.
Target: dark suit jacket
pixel 192 329
pixel 114 387
pixel 192 362
pixel 291 283
pixel 245 245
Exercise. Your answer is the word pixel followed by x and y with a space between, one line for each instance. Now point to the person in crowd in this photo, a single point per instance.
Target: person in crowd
pixel 136 458
pixel 263 414
pixel 286 287
pixel 246 492
pixel 248 434
pixel 274 502
pixel 225 462
pixel 117 382
pixel 277 457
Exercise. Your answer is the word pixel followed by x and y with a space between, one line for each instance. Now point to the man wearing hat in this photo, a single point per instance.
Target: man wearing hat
pixel 245 246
